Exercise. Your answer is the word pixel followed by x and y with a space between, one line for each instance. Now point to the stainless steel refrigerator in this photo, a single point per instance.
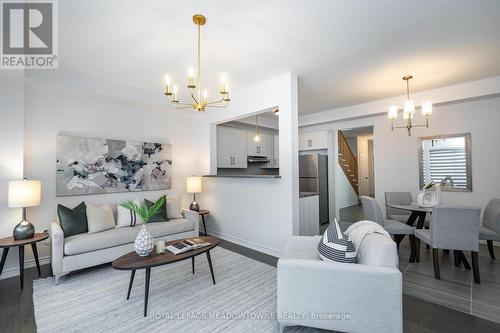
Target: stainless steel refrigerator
pixel 313 177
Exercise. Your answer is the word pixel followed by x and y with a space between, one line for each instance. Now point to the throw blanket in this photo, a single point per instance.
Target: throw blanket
pixel 359 230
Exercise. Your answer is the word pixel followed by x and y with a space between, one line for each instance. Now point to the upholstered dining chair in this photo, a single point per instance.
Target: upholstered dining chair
pixel 490 230
pixel 453 228
pixel 398 198
pixel 372 212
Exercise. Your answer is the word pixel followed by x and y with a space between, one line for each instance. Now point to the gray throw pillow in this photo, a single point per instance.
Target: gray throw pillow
pixel 335 246
pixel 162 215
pixel 73 221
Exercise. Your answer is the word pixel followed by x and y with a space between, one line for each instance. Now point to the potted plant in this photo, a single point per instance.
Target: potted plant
pixel 143 244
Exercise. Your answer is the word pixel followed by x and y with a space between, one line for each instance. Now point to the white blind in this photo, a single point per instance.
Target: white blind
pixel 445 163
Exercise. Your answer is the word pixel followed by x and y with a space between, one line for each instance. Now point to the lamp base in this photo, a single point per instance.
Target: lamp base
pixel 23 230
pixel 194 206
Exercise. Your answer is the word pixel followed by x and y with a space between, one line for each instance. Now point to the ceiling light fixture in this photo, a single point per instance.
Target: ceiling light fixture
pixel 200 101
pixel 409 110
pixel 256 138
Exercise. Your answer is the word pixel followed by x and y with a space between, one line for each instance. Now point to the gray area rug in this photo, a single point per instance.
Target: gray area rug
pixel 95 300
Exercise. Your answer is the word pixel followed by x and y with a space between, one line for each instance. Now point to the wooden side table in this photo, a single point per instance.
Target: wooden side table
pixel 8 242
pixel 202 213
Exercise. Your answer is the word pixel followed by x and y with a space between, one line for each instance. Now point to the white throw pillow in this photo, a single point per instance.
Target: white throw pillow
pixel 174 209
pixel 126 217
pixel 100 218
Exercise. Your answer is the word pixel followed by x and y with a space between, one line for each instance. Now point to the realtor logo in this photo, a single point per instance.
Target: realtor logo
pixel 29 34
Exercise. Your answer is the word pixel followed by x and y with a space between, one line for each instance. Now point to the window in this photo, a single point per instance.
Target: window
pixel 445 160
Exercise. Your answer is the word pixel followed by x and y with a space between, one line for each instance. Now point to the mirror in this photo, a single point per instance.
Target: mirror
pixel 446 160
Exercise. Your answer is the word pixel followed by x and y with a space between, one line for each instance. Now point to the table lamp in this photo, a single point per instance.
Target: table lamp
pixel 22 194
pixel 193 185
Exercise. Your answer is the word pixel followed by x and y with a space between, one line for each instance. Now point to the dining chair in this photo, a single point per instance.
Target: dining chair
pixel 490 229
pixel 398 198
pixel 453 228
pixel 372 212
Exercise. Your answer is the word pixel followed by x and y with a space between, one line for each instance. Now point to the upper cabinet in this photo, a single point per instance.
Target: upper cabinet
pixel 231 147
pixel 313 140
pixel 276 151
pixel 262 148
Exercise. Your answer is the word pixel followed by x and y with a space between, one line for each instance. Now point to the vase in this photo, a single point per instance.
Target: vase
pixel 143 244
pixel 429 198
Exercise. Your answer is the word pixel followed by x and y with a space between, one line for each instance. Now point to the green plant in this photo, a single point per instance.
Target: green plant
pixel 144 212
pixel 429 186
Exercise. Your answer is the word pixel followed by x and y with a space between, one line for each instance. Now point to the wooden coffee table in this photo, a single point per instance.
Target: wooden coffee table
pixel 132 262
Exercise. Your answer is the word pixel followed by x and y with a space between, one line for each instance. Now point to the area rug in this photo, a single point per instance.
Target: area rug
pixel 243 300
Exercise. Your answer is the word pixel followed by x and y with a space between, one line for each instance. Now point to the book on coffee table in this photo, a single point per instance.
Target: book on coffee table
pixel 187 245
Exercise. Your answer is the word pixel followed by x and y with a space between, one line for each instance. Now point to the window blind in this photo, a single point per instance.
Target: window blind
pixel 445 163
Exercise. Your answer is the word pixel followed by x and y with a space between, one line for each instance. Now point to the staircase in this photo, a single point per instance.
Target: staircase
pixel 348 162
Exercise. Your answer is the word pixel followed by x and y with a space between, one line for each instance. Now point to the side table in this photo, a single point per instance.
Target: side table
pixel 202 213
pixel 8 242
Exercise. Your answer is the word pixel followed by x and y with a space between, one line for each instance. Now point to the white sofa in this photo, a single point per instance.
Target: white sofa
pixel 362 297
pixel 87 250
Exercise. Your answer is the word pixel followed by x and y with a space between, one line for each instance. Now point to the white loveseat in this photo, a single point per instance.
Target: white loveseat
pixel 362 297
pixel 87 250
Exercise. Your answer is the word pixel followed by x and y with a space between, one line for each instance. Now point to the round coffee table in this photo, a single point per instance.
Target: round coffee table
pixel 8 242
pixel 132 262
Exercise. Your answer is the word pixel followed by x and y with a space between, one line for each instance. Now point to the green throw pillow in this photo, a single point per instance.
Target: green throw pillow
pixel 73 221
pixel 162 215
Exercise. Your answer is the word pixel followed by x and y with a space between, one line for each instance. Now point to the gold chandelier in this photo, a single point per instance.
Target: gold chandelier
pixel 409 110
pixel 200 101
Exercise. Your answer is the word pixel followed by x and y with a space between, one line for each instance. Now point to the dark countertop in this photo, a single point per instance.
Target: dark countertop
pixel 244 176
pixel 307 194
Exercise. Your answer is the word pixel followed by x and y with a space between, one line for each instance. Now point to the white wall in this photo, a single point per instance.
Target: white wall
pixel 11 153
pixel 396 154
pixel 258 213
pixel 51 109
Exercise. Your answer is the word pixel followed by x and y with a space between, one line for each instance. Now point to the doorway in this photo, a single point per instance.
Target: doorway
pixel 355 174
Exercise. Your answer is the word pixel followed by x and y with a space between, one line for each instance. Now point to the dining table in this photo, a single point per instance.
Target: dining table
pixel 418 214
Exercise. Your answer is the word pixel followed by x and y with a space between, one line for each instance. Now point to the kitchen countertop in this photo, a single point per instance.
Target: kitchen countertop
pixel 307 194
pixel 244 176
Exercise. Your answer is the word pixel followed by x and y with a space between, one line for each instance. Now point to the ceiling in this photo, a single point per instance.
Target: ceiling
pixel 357 131
pixel 344 52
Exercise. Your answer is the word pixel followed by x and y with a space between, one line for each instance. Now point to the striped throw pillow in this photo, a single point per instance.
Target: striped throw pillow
pixel 334 246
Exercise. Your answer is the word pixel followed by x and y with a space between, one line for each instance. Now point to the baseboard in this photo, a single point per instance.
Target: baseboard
pixel 14 271
pixel 245 243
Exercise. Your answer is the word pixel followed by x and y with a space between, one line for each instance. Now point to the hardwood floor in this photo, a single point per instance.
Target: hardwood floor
pixel 16 306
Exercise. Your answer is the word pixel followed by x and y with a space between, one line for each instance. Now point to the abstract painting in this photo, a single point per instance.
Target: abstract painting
pixel 95 166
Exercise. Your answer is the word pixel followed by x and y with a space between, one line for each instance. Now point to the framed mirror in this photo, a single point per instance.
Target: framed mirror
pixel 446 160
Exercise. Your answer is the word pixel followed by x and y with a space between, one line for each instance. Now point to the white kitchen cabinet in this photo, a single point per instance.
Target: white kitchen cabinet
pixel 231 147
pixel 262 148
pixel 313 140
pixel 276 151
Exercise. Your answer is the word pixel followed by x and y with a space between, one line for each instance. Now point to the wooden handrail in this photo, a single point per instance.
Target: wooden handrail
pixel 348 162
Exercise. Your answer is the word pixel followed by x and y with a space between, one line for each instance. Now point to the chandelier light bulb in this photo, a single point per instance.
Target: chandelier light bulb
pixel 167 80
pixel 426 108
pixel 256 138
pixel 393 112
pixel 191 72
pixel 223 78
pixel 409 107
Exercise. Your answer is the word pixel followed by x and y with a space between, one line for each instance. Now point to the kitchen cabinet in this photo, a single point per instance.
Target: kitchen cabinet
pixel 313 140
pixel 276 151
pixel 231 147
pixel 262 148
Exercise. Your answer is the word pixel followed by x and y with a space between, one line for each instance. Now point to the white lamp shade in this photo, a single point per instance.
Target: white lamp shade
pixel 393 112
pixel 426 108
pixel 24 193
pixel 409 107
pixel 193 184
